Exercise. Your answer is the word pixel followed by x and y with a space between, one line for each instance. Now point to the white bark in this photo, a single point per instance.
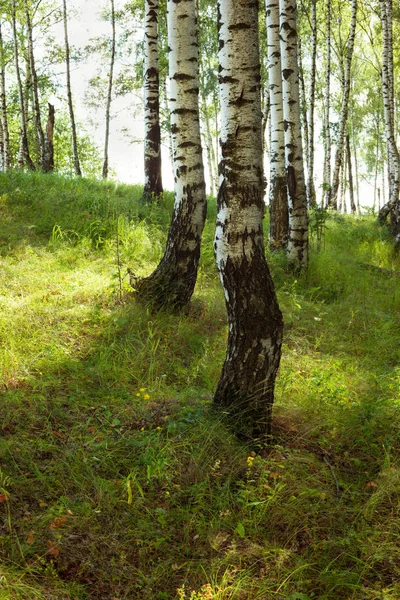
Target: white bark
pixel 152 136
pixel 297 247
pixel 77 166
pixel 277 174
pixel 184 107
pixel 246 386
pixel 326 196
pixel 109 92
pixel 345 105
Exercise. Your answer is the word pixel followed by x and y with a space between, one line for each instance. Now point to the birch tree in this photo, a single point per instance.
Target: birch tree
pixel 173 281
pixel 24 155
pixel 278 201
pixel 311 195
pixel 393 159
pixel 326 185
pixel 345 106
pixel 152 137
pixel 297 247
pixel 109 91
pixel 246 386
pixel 34 86
pixel 5 137
pixel 77 165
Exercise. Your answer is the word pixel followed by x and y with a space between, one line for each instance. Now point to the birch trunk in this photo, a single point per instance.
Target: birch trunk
pixel 392 207
pixel 77 165
pixel 109 92
pixel 353 207
pixel 24 156
pixel 172 283
pixel 4 115
pixel 278 201
pixel 35 90
pixel 297 247
pixel 152 137
pixel 327 126
pixel 311 195
pixel 48 158
pixel 345 106
pixel 246 387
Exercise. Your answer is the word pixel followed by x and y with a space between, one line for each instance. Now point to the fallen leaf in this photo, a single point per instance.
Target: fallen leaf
pixel 3 498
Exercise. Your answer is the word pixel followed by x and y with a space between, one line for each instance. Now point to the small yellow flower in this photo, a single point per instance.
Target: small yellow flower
pixel 158 428
pixel 146 396
pixel 142 429
pixel 250 460
pixel 142 390
pixel 138 394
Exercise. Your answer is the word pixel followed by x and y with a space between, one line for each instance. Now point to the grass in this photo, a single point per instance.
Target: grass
pixel 116 478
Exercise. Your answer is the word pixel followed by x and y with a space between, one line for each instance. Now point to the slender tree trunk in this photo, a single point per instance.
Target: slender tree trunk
pixel 246 387
pixel 353 207
pixel 152 138
pixel 77 165
pixel 311 195
pixel 35 91
pixel 303 105
pixel 278 201
pixel 2 169
pixel 393 205
pixel 172 283
pixel 4 115
pixel 345 105
pixel 297 247
pixel 24 156
pixel 209 150
pixel 48 159
pixel 327 181
pixel 109 92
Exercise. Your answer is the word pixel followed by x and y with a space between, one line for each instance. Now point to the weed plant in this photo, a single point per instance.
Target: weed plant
pixel 116 478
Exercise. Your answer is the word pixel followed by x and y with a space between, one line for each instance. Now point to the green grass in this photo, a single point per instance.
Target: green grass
pixel 117 480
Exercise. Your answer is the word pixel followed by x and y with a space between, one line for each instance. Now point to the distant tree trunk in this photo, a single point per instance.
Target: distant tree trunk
pixel 4 116
pixel 77 165
pixel 353 207
pixel 152 139
pixel 172 283
pixel 297 247
pixel 109 92
pixel 311 195
pixel 48 159
pixel 246 386
pixel 24 156
pixel 278 201
pixel 35 91
pixel 326 195
pixel 345 105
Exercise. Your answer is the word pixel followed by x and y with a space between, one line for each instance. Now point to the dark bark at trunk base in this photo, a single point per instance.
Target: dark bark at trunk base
pixel 279 215
pixel 172 283
pixel 245 391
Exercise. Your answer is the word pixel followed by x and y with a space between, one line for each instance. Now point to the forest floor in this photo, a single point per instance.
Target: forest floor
pixel 119 481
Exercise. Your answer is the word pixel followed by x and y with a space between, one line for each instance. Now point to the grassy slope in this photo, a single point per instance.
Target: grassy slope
pixel 117 481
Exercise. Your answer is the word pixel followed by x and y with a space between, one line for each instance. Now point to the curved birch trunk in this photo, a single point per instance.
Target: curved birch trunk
pixel 345 107
pixel 152 137
pixel 24 156
pixel 77 165
pixel 297 247
pixel 326 194
pixel 278 201
pixel 246 386
pixel 4 116
pixel 172 283
pixel 109 92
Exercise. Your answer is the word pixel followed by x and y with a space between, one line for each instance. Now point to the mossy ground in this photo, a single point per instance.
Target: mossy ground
pixel 117 480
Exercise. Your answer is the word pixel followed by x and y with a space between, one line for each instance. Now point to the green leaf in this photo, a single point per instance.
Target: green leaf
pixel 240 529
